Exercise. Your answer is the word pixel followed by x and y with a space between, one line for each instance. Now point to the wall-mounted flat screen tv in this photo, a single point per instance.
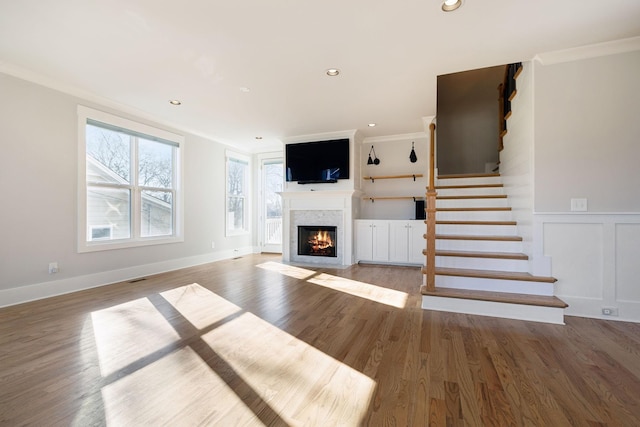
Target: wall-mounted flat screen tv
pixel 318 161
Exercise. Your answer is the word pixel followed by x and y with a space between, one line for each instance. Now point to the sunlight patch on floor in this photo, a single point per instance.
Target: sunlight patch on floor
pixel 178 389
pixel 363 290
pixel 127 332
pixel 301 383
pixel 244 370
pixel 198 305
pixel 287 270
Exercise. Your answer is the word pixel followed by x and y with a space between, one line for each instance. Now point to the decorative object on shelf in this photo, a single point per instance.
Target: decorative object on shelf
pixel 413 156
pixel 375 160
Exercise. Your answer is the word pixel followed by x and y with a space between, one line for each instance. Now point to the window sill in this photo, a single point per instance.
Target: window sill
pixel 124 244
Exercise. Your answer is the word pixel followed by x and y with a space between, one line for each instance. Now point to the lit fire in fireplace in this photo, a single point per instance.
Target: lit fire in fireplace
pixel 321 241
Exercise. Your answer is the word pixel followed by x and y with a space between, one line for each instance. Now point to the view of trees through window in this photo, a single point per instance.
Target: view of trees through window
pixel 121 166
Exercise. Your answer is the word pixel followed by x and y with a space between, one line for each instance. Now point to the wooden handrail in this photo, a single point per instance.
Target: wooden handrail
pixel 430 268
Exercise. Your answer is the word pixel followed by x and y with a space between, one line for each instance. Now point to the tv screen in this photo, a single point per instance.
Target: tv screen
pixel 317 162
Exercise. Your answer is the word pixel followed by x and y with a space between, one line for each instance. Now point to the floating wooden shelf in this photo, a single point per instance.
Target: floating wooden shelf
pixel 414 176
pixel 393 198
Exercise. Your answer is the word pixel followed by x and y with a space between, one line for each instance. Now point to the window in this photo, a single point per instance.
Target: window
pixel 237 213
pixel 129 192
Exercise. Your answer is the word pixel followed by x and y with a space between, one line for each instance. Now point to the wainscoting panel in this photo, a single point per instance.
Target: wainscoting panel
pixel 628 263
pixel 594 256
pixel 576 258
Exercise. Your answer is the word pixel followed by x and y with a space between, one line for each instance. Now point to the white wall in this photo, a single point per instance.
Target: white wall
pixel 587 133
pixel 587 146
pixel 38 168
pixel 393 152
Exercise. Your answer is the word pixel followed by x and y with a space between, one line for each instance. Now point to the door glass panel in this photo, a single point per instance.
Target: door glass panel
pixel 273 181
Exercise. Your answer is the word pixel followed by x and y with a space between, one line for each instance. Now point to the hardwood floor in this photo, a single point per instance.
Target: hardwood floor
pixel 251 341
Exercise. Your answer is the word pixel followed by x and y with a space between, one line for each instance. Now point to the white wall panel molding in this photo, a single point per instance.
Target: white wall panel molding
pixel 594 257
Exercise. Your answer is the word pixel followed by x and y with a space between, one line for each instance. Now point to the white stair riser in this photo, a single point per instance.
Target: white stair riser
pixel 472 203
pixel 495 309
pixel 477 230
pixel 495 285
pixel 470 191
pixel 469 181
pixel 479 245
pixel 494 264
pixel 473 216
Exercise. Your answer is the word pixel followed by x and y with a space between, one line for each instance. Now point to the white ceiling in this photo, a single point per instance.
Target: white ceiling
pixel 139 54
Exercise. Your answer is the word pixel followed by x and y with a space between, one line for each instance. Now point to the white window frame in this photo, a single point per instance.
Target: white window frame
pixel 232 155
pixel 135 240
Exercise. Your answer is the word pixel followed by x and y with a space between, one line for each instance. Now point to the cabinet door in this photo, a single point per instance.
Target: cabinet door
pixel 398 241
pixel 417 229
pixel 364 241
pixel 380 240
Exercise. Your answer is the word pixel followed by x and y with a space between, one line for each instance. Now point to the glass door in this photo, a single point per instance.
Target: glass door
pixel 271 210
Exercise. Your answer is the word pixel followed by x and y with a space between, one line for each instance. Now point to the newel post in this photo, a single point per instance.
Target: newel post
pixel 430 269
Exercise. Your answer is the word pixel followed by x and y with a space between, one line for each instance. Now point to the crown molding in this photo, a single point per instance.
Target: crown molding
pixel 589 51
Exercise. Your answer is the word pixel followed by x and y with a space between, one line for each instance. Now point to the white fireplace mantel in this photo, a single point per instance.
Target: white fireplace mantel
pixel 337 205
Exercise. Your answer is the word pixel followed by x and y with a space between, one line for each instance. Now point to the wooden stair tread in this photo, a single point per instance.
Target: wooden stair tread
pixel 478 237
pixel 450 187
pixel 477 254
pixel 468 175
pixel 488 208
pixel 492 274
pixel 501 297
pixel 453 222
pixel 480 196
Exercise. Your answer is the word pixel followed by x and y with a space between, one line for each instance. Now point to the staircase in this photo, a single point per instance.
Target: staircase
pixel 480 267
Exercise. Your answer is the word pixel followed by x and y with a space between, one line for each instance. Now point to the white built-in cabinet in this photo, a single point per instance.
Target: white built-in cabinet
pixel 406 242
pixel 372 240
pixel 390 241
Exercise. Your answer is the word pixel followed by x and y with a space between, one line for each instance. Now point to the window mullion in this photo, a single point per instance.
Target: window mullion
pixel 136 202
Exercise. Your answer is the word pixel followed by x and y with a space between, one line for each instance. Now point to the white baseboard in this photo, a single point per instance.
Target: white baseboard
pixel 494 309
pixel 53 288
pixel 628 311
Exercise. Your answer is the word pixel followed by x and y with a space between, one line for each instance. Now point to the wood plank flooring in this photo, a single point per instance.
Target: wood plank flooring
pixel 253 342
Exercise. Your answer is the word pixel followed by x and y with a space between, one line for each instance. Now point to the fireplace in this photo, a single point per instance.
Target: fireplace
pixel 317 240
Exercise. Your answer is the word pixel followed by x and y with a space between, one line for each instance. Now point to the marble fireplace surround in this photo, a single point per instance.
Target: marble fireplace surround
pixel 312 208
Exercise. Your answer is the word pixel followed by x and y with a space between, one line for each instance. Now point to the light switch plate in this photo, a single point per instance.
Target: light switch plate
pixel 578 205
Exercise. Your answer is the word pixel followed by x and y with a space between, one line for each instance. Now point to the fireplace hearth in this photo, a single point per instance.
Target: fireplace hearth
pixel 317 240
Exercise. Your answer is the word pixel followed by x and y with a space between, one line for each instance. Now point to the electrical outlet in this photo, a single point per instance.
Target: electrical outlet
pixel 53 267
pixel 610 311
pixel 213 245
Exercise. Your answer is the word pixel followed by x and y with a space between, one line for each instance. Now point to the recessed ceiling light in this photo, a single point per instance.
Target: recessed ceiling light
pixel 174 102
pixel 258 137
pixel 451 5
pixel 371 125
pixel 245 90
pixel 333 72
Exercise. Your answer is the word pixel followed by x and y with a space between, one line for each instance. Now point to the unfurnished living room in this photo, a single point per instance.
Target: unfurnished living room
pixel 320 214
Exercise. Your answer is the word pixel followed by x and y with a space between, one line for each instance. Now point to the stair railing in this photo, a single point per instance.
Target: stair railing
pixel 430 267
